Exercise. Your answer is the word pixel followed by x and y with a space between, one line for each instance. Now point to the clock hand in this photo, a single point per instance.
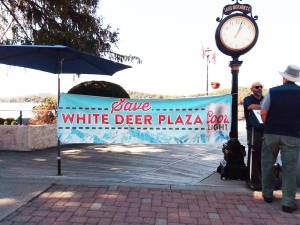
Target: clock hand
pixel 238 31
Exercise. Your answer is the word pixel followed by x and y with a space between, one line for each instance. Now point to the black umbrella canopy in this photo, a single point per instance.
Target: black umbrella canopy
pixel 57 59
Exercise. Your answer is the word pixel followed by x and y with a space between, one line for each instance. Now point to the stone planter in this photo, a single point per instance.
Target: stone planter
pixel 27 138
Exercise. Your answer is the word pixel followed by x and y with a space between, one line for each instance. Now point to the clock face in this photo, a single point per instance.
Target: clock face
pixel 237 33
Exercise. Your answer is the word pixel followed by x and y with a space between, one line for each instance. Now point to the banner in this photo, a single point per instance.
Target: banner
pixel 101 120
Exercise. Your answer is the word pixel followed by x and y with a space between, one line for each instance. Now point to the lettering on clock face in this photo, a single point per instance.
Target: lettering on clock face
pixel 237 33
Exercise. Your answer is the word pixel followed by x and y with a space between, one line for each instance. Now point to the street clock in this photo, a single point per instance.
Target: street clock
pixel 237 33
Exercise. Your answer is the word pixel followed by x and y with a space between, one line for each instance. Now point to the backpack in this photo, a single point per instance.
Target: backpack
pixel 233 166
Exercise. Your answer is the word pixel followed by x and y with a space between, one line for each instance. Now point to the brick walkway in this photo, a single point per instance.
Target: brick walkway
pixel 118 205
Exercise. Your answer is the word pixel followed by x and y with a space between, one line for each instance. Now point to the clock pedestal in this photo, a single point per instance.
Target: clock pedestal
pixel 233 165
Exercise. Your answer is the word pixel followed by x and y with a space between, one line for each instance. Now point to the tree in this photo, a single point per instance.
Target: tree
pixel 73 23
pixel 99 88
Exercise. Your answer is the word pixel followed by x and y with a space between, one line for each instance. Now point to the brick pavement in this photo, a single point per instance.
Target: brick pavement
pixel 120 205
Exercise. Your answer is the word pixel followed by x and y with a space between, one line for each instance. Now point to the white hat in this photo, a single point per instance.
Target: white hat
pixel 292 73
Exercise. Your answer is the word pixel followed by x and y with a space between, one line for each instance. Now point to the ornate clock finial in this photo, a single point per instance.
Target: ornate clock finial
pixel 237 7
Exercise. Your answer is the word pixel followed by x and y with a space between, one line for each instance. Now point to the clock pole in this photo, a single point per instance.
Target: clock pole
pixel 236 34
pixel 235 67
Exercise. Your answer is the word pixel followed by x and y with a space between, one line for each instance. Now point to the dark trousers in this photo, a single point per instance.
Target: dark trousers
pixel 254 151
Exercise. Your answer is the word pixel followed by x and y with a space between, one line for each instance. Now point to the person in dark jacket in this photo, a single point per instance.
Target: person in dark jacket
pixel 250 103
pixel 280 113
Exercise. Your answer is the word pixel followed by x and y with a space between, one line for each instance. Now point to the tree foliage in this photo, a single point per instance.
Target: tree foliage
pixel 243 92
pixel 45 112
pixel 99 88
pixel 73 23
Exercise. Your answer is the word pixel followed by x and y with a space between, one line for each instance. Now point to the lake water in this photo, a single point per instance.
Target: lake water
pixel 12 110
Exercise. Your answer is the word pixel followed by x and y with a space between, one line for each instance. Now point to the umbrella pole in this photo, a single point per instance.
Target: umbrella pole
pixel 58 141
pixel 58 99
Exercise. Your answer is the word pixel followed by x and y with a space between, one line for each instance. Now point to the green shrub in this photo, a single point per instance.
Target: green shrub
pixel 44 112
pixel 13 122
pixel 2 121
pixel 8 121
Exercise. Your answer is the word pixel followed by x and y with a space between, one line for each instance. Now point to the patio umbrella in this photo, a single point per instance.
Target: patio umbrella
pixel 57 59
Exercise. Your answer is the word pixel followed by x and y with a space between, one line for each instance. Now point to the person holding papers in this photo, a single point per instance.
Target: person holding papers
pixel 280 112
pixel 254 136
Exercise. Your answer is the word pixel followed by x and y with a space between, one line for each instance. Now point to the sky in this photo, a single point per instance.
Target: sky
pixel 168 35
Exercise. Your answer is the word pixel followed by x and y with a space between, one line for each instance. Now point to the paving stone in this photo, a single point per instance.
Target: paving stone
pixel 146 200
pixel 213 216
pixel 242 208
pixel 161 222
pixel 96 206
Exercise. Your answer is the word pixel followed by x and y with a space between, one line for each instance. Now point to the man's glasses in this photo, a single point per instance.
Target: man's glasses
pixel 258 86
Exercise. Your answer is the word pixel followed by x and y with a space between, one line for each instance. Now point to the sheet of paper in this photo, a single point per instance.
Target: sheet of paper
pixel 258 116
